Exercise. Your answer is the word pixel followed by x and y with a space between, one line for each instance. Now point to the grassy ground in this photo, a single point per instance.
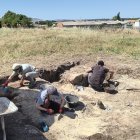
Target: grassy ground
pixel 120 49
pixel 17 44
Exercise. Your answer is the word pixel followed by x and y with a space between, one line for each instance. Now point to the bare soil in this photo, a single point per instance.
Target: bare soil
pixel 120 121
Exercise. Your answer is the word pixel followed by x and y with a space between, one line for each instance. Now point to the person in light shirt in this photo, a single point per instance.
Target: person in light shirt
pixel 50 100
pixel 26 71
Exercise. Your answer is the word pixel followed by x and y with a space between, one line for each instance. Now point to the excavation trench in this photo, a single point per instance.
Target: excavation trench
pixel 50 75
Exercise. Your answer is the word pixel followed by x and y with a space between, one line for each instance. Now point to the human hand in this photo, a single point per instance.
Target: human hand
pixel 5 84
pixel 60 110
pixel 50 111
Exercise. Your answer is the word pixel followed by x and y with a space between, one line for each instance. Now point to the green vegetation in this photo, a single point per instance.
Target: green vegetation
pixel 47 22
pixel 13 20
pixel 117 17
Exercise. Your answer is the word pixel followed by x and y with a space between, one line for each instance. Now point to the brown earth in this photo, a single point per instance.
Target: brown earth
pixel 120 121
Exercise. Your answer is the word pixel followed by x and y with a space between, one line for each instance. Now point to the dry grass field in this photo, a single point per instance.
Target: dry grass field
pixel 120 49
pixel 30 45
pixel 16 44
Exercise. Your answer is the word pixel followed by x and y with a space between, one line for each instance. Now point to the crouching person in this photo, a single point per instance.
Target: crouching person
pixel 50 100
pixel 97 75
pixel 25 71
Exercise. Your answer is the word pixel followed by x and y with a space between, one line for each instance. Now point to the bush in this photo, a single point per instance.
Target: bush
pixel 14 20
pixel 47 22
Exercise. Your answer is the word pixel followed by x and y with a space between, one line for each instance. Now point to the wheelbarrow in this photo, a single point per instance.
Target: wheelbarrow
pixel 6 107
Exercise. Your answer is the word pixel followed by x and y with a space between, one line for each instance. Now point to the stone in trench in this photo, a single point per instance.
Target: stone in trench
pixel 78 79
pixel 101 105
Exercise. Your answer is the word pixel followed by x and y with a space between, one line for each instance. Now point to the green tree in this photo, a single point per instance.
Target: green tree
pixel 49 23
pixel 117 17
pixel 14 20
pixel 46 22
pixel 8 18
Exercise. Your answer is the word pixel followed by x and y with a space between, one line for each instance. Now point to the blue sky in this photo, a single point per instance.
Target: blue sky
pixel 72 9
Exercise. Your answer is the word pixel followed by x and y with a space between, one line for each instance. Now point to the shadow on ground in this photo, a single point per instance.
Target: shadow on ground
pixel 25 124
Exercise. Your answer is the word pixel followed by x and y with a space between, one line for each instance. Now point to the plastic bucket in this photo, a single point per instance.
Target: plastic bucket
pixel 72 100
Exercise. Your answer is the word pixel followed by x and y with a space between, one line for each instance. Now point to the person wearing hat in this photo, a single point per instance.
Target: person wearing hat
pixel 50 100
pixel 26 71
pixel 97 75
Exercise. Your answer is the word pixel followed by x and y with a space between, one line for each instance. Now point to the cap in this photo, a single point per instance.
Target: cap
pixel 16 66
pixel 52 90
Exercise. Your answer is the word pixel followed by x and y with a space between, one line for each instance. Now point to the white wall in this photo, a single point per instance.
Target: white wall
pixel 137 24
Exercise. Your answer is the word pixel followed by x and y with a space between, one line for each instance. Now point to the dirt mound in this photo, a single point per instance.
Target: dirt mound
pixel 132 72
pixel 100 136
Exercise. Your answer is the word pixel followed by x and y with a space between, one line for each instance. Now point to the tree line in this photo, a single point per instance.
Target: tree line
pixel 46 22
pixel 13 20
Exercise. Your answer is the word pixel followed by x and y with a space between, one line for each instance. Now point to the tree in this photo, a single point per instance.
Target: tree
pixel 8 18
pixel 46 22
pixel 49 23
pixel 11 19
pixel 117 17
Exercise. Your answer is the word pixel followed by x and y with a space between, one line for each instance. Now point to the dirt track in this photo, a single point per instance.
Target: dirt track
pixel 120 121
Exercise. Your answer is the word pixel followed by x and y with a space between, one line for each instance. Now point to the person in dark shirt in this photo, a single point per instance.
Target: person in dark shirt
pixel 97 76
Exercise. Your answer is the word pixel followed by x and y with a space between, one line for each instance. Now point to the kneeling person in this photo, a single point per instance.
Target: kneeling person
pixel 26 71
pixel 97 76
pixel 50 100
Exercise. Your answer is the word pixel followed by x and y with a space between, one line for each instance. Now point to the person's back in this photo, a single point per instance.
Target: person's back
pixel 26 71
pixel 27 68
pixel 97 77
pixel 50 98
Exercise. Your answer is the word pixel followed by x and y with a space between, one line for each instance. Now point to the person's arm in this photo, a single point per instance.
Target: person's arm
pixel 43 102
pixel 9 79
pixel 89 71
pixel 92 68
pixel 106 70
pixel 49 111
pixel 12 75
pixel 40 107
pixel 110 73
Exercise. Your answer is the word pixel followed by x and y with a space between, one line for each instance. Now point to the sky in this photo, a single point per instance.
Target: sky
pixel 72 9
